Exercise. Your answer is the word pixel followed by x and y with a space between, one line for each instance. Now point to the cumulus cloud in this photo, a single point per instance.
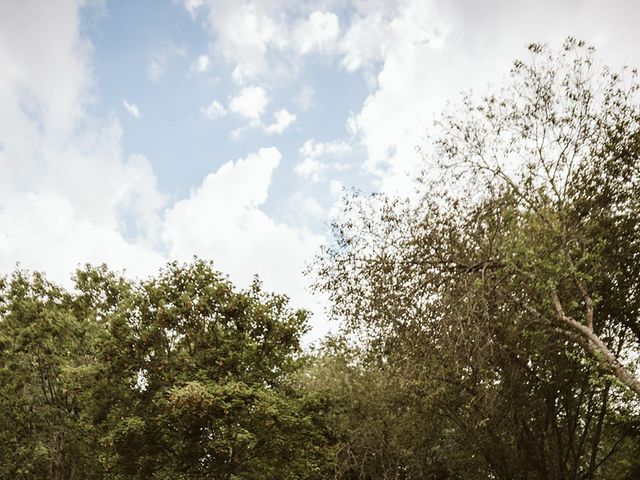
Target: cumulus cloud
pixel 51 82
pixel 250 103
pixel 319 32
pixel 309 168
pixel 244 32
pixel 266 39
pixel 361 44
pixel 404 48
pixel 201 64
pixel 139 200
pixel 222 219
pixel 336 189
pixel 282 120
pixel 318 157
pixel 67 195
pixel 394 117
pixel 391 42
pixel 132 108
pixel 214 110
pixel 45 231
pixel 312 148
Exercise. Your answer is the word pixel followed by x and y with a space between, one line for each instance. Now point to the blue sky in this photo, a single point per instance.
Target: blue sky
pixel 172 129
pixel 136 132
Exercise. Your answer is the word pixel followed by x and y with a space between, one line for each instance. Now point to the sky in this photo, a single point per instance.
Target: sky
pixel 137 132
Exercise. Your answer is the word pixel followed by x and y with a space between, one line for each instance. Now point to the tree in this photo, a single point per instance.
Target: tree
pixel 507 275
pixel 560 147
pixel 46 358
pixel 180 376
pixel 202 375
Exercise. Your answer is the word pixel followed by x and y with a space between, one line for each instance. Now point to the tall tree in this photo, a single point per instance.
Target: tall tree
pixel 560 146
pixel 500 289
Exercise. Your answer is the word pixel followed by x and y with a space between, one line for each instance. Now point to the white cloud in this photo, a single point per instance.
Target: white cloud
pixel 394 117
pixel 319 32
pixel 192 6
pixel 362 42
pixel 51 82
pixel 282 120
pixel 390 41
pixel 44 231
pixel 404 48
pixel 67 196
pixel 139 198
pixel 214 110
pixel 309 168
pixel 132 108
pixel 318 163
pixel 244 32
pixel 430 51
pixel 201 64
pixel 314 149
pixel 250 103
pixel 266 40
pixel 237 132
pixel 337 192
pixel 223 220
pixel 304 208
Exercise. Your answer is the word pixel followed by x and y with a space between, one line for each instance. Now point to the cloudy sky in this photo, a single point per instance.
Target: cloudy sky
pixel 133 132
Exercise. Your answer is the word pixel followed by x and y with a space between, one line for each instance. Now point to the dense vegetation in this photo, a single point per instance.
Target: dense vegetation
pixel 179 376
pixel 490 324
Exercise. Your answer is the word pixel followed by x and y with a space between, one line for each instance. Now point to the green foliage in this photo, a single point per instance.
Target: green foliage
pixel 45 360
pixel 178 376
pixel 496 317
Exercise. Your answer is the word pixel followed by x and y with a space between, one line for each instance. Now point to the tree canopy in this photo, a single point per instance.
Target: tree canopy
pixel 507 292
pixel 179 376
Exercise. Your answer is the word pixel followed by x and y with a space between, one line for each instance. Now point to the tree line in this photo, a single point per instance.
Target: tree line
pixel 490 323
